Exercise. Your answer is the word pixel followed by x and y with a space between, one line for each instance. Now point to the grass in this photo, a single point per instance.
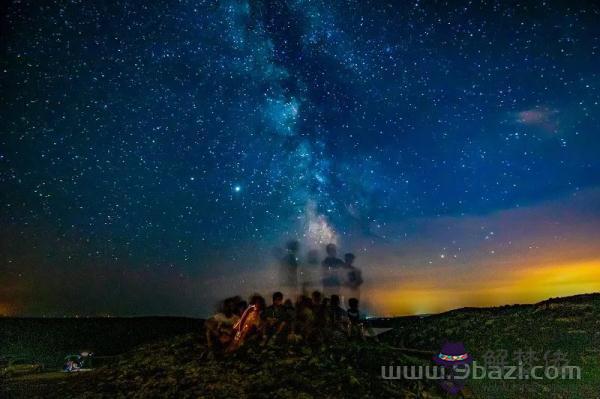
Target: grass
pixel 174 366
pixel 49 340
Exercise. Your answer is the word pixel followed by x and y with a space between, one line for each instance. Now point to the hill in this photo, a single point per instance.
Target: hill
pixel 570 326
pixel 48 340
pixel 181 366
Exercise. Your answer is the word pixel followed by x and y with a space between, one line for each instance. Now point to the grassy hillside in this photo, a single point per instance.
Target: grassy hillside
pixel 182 367
pixel 48 340
pixel 177 368
pixel 569 325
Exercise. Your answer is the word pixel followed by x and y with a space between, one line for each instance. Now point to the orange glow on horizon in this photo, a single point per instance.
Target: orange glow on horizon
pixel 5 310
pixel 516 285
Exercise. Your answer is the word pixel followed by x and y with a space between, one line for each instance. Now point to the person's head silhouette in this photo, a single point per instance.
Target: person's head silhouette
pixel 316 297
pixel 258 301
pixel 335 300
pixel 353 303
pixel 292 246
pixel 277 298
pixel 331 250
pixel 349 258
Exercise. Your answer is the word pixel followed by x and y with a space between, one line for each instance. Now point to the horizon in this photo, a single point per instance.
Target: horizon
pixel 368 316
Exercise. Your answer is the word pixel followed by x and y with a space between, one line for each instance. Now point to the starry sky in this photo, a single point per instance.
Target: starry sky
pixel 155 155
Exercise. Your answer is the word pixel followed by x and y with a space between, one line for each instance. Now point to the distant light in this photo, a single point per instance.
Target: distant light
pixel 237 189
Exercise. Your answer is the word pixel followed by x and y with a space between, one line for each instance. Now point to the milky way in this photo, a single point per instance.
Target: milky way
pixel 171 142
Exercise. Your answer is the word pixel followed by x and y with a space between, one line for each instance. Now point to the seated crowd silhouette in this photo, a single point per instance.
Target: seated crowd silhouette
pixel 313 317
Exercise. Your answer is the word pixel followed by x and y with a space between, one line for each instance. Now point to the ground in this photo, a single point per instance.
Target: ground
pixel 180 365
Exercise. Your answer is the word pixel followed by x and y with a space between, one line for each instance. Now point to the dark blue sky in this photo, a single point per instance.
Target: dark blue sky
pixel 181 135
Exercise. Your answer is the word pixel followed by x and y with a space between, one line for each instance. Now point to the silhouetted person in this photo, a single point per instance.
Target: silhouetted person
pixel 274 310
pixel 305 317
pixel 275 316
pixel 219 327
pixel 250 323
pixel 320 313
pixel 240 306
pixel 290 314
pixel 355 326
pixel 331 268
pixel 353 312
pixel 316 298
pixel 353 279
pixel 288 308
pixel 338 318
pixel 289 266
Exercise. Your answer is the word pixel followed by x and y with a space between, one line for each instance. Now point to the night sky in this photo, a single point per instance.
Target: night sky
pixel 154 155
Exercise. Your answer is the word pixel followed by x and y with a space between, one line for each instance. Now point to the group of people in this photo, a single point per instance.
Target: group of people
pixel 336 276
pixel 313 317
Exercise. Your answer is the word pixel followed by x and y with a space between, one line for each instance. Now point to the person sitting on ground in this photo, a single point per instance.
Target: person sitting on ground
pixel 337 315
pixel 354 325
pixel 250 323
pixel 320 312
pixel 290 314
pixel 316 298
pixel 275 310
pixel 240 306
pixel 219 328
pixel 325 304
pixel 304 318
pixel 288 307
pixel 275 317
pixel 318 308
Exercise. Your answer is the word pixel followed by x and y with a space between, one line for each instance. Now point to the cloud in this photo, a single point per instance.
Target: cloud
pixel 543 118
